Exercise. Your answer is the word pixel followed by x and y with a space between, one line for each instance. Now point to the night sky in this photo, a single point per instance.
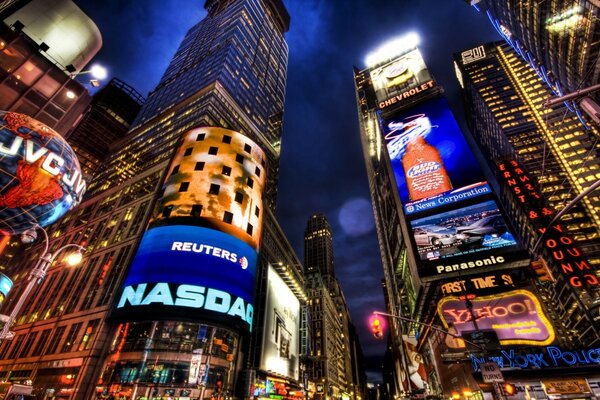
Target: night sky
pixel 322 166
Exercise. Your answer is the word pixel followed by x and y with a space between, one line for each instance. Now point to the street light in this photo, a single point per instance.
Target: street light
pixel 38 273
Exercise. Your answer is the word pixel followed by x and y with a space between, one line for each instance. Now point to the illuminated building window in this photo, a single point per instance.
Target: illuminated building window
pixel 184 186
pixel 227 217
pixel 247 148
pixel 239 197
pixel 200 137
pixel 214 188
pixel 249 229
pixel 167 211
pixel 226 171
pixel 239 158
pixel 257 171
pixel 250 182
pixel 199 166
pixel 175 170
pixel 213 150
pixel 196 210
pixel 226 139
pixel 188 151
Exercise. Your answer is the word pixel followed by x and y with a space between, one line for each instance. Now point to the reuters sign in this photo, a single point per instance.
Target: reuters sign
pixel 40 178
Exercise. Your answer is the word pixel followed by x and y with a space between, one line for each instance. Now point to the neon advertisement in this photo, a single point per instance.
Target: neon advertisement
pixel 428 153
pixel 547 357
pixel 193 273
pixel 517 318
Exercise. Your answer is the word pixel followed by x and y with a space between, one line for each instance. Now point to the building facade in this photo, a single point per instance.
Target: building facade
pixel 201 158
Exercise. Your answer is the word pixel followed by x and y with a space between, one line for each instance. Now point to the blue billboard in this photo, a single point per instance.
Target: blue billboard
pixel 190 272
pixel 428 152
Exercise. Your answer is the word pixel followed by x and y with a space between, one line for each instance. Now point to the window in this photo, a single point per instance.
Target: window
pixel 228 217
pixel 249 229
pixel 196 210
pixel 226 139
pixel 200 137
pixel 175 170
pixel 41 343
pixel 257 211
pixel 257 171
pixel 226 171
pixel 239 197
pixel 53 345
pixel 70 339
pixel 213 150
pixel 250 182
pixel 188 151
pixel 167 211
pixel 247 148
pixel 239 158
pixel 88 335
pixel 214 188
pixel 184 186
pixel 199 166
pixel 28 344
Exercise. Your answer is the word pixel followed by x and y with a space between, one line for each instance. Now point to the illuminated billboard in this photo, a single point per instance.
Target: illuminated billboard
pixel 197 260
pixel 428 152
pixel 401 78
pixel 517 318
pixel 193 273
pixel 40 177
pixel 282 325
pixel 464 240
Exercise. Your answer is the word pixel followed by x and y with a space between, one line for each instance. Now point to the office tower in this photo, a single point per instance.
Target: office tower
pixel 36 67
pixel 199 163
pixel 331 357
pixel 441 229
pixel 509 122
pixel 111 112
pixel 557 38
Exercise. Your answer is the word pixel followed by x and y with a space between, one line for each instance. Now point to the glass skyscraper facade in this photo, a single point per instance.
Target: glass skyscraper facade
pixel 228 75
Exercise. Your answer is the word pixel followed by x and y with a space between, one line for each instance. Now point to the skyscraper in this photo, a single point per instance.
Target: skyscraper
pixel 557 38
pixel 198 160
pixel 333 350
pixel 509 122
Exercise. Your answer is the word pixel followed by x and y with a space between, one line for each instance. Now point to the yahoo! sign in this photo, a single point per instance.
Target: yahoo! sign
pixel 517 317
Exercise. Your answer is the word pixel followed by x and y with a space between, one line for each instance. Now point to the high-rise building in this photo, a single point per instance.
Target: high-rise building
pixel 557 38
pixel 110 115
pixel 36 68
pixel 198 169
pixel 440 226
pixel 509 122
pixel 332 351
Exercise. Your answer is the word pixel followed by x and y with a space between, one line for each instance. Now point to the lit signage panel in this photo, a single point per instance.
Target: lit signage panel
pixel 428 152
pixel 401 78
pixel 546 357
pixel 197 260
pixel 464 240
pixel 559 244
pixel 193 273
pixel 282 324
pixel 517 318
pixel 5 285
pixel 40 177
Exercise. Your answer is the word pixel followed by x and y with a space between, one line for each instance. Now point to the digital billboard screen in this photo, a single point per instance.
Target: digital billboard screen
pixel 190 272
pixel 282 323
pixel 516 316
pixel 466 239
pixel 393 81
pixel 428 153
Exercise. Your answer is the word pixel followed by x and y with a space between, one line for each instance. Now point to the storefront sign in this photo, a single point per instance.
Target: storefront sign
pixel 549 357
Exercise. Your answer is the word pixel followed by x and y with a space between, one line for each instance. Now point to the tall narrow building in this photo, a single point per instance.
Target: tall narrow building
pixel 182 245
pixel 505 97
pixel 333 351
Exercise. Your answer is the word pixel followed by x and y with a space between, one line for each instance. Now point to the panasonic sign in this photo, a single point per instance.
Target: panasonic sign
pixel 187 296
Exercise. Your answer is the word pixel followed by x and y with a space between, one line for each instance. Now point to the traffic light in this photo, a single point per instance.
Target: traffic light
pixel 376 327
pixel 541 270
pixel 509 389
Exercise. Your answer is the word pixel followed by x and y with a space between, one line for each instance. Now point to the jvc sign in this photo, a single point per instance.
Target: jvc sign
pixel 490 371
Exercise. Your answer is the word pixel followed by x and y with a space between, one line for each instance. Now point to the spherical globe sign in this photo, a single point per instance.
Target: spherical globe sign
pixel 40 177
